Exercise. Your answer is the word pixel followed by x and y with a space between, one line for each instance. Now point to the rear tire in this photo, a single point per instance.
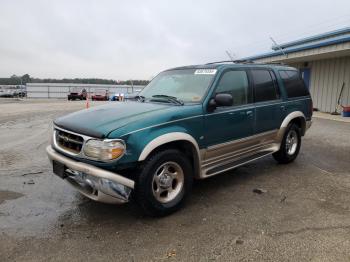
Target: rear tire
pixel 290 145
pixel 164 183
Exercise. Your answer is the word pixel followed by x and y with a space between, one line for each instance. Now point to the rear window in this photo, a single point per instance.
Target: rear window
pixel 264 86
pixel 293 83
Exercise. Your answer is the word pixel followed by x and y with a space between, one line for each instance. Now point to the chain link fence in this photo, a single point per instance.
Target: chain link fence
pixel 49 90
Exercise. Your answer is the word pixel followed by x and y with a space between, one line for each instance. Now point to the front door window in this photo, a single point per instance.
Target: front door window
pixel 228 123
pixel 234 83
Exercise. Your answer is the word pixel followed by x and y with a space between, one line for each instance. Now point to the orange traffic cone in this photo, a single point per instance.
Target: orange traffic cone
pixel 87 101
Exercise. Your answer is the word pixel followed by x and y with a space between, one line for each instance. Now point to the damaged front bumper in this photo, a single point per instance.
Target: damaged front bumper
pixel 93 182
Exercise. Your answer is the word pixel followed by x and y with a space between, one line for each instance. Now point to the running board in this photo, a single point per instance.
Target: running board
pixel 235 163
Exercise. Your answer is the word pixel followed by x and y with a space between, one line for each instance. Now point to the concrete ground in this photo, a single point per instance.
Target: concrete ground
pixel 304 214
pixel 332 117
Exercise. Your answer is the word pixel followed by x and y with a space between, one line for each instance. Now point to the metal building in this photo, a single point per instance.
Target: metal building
pixel 61 90
pixel 324 61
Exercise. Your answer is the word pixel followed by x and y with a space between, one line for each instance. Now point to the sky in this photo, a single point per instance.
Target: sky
pixel 134 39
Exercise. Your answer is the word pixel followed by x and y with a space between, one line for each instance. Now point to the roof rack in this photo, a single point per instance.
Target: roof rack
pixel 274 63
pixel 243 61
pixel 234 61
pixel 219 62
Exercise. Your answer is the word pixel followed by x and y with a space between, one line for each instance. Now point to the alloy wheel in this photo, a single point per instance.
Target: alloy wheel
pixel 168 181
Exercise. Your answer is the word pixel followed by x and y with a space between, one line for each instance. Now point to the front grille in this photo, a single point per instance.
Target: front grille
pixel 69 142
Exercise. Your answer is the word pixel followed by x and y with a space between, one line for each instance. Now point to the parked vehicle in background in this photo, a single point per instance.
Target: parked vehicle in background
pixel 132 96
pixel 77 93
pixel 124 97
pixel 20 92
pixel 188 123
pixel 2 92
pixel 100 95
pixel 117 97
pixel 13 91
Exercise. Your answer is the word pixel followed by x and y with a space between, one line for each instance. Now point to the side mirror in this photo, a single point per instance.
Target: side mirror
pixel 220 100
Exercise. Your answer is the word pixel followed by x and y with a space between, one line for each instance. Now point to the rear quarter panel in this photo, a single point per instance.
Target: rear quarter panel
pixel 303 104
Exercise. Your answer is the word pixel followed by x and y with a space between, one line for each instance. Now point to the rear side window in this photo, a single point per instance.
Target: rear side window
pixel 293 83
pixel 236 84
pixel 264 86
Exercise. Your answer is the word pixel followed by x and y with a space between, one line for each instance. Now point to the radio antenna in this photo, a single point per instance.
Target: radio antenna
pixel 230 56
pixel 277 45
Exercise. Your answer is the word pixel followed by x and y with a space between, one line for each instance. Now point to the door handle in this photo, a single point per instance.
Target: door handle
pixel 246 113
pixel 283 108
pixel 249 113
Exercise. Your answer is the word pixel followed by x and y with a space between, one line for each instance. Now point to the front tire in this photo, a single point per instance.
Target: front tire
pixel 290 145
pixel 164 183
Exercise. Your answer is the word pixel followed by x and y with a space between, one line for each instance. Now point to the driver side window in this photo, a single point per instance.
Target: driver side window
pixel 236 84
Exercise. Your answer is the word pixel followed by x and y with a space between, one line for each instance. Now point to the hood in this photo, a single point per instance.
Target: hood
pixel 101 120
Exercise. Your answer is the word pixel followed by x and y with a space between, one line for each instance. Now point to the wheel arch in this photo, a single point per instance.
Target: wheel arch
pixel 179 140
pixel 296 117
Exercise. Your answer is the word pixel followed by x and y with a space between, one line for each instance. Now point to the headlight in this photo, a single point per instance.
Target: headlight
pixel 104 150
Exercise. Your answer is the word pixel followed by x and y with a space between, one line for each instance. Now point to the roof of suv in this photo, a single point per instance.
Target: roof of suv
pixel 219 65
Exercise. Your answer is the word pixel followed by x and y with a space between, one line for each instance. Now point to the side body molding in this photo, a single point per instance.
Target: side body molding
pixel 273 145
pixel 166 138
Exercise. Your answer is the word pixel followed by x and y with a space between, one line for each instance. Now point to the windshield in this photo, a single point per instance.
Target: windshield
pixel 186 85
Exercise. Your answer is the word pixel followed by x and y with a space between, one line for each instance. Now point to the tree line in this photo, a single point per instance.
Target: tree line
pixel 24 79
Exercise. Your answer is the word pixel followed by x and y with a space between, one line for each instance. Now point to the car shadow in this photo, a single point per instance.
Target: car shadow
pixel 91 211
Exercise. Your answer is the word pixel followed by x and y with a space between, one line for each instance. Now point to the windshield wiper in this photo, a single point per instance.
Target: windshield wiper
pixel 171 99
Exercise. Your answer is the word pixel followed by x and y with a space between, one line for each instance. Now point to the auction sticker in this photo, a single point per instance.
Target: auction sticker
pixel 205 72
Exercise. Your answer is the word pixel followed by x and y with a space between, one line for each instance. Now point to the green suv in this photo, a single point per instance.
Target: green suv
pixel 189 123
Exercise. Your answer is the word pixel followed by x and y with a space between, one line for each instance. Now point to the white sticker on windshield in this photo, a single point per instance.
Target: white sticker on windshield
pixel 205 72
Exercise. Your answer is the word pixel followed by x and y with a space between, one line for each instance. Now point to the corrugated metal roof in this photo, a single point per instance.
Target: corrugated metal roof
pixel 321 40
pixel 318 37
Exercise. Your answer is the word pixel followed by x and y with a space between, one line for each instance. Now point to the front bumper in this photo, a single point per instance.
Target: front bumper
pixel 93 182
